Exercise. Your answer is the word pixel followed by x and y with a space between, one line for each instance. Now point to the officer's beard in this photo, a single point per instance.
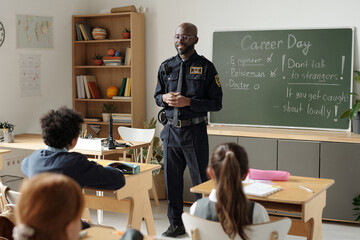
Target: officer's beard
pixel 186 50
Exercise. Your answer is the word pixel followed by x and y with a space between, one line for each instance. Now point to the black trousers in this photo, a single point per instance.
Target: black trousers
pixel 183 146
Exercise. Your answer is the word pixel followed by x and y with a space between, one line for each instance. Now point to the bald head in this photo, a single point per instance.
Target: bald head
pixel 189 28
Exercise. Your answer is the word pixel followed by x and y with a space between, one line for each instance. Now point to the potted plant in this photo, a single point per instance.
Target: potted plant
pixel 126 33
pixel 356 204
pixel 157 158
pixel 107 109
pixel 8 131
pixel 353 114
pixel 97 59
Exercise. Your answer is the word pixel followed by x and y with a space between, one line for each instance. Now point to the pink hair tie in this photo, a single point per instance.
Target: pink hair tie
pixel 257 174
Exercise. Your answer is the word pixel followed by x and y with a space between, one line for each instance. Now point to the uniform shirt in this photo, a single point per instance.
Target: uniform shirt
pixel 75 165
pixel 201 84
pixel 260 214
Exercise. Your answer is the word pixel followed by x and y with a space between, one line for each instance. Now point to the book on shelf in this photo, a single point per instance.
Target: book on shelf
pixel 122 87
pixel 261 189
pixel 81 26
pixel 78 90
pixel 111 58
pixel 130 8
pixel 112 63
pixel 87 79
pixel 88 31
pixel 87 119
pixel 94 90
pixel 80 86
pixel 127 60
pixel 128 93
pixel 79 36
pixel 121 117
pixel 128 56
pixel 122 120
pixel 121 98
pixel 126 88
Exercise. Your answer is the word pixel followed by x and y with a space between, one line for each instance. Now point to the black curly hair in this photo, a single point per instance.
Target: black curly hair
pixel 60 127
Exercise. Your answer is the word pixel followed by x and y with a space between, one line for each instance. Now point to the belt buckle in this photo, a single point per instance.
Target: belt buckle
pixel 178 125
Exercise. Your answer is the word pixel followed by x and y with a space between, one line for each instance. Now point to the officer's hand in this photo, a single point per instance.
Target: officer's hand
pixel 169 97
pixel 176 100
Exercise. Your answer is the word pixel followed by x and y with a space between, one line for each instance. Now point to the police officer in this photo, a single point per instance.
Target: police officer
pixel 186 95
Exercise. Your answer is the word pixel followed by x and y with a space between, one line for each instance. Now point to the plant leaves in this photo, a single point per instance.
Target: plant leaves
pixel 357 76
pixel 354 110
pixel 345 114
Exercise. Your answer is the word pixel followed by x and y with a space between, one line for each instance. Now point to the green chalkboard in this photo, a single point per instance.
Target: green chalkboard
pixel 284 78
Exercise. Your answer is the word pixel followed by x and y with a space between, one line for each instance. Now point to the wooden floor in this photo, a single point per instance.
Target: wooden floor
pixel 331 231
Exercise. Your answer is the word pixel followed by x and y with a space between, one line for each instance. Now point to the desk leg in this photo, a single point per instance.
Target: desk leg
pixel 141 208
pixel 313 213
pixel 100 213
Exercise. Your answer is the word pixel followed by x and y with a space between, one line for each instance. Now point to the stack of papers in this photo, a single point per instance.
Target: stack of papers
pixel 261 189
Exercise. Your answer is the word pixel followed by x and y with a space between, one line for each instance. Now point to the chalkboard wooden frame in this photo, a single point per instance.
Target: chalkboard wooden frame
pixel 285 78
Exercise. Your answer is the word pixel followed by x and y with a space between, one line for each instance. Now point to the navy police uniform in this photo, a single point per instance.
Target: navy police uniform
pixel 186 141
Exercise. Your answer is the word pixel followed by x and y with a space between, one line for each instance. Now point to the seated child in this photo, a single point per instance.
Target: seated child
pixel 227 203
pixel 49 208
pixel 60 131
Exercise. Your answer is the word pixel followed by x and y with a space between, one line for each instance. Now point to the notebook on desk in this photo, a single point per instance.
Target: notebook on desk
pixel 261 189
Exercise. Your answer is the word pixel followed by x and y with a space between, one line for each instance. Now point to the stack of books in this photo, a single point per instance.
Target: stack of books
pixel 121 117
pixel 112 61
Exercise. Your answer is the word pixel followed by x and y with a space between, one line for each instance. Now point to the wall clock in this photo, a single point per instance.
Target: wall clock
pixel 2 34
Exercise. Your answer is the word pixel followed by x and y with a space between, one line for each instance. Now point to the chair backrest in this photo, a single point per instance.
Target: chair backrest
pixel 138 135
pixel 201 229
pixel 13 196
pixel 8 199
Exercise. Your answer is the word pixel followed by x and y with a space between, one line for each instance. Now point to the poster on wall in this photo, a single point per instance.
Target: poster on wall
pixel 30 84
pixel 34 31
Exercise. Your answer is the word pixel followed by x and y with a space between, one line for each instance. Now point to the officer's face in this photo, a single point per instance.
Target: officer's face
pixel 184 40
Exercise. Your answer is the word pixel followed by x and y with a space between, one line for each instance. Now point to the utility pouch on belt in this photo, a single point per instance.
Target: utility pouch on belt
pixel 162 117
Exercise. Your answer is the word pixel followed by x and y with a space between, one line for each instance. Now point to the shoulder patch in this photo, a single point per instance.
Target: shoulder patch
pixel 217 80
pixel 196 70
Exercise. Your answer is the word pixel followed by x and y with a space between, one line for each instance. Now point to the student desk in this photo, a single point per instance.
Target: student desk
pixel 2 151
pixel 136 188
pixel 35 142
pixel 132 199
pixel 96 233
pixel 292 200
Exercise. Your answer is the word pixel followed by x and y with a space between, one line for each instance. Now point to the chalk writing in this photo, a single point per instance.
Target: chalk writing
pixel 296 78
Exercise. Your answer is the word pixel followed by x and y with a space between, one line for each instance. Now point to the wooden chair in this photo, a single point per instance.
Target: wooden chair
pixel 8 199
pixel 201 229
pixel 141 135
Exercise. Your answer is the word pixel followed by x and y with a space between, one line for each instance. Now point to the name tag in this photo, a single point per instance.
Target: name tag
pixel 196 70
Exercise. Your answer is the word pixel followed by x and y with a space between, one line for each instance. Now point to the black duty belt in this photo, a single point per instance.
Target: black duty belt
pixel 187 122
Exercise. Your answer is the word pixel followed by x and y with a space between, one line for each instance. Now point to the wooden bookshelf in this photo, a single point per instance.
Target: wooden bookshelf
pixel 106 76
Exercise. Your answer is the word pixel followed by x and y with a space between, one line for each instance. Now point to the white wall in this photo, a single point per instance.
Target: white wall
pixel 55 73
pixel 162 17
